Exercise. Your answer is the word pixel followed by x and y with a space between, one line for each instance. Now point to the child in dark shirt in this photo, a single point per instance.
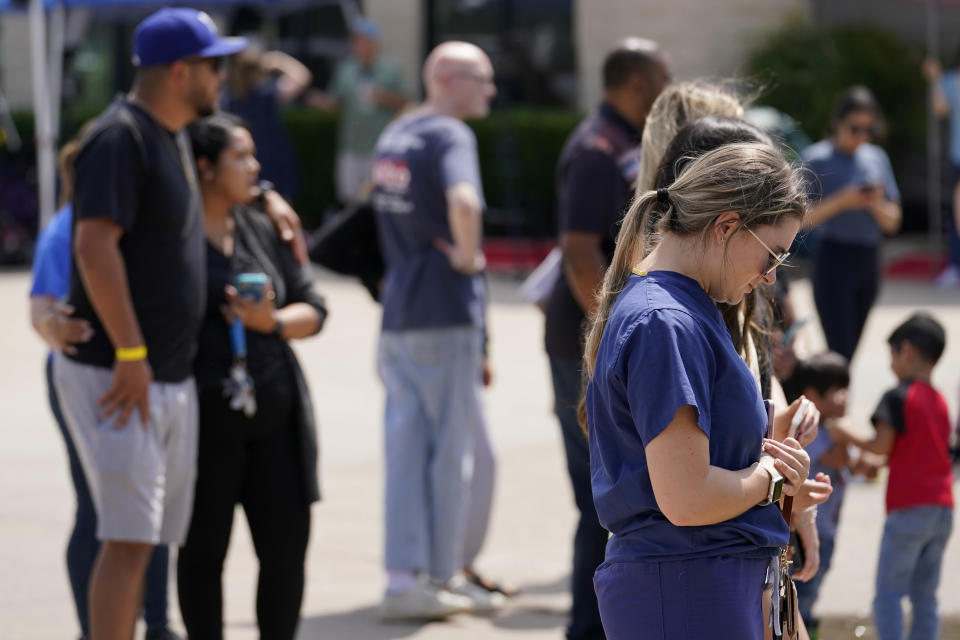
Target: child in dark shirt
pixel 824 379
pixel 913 429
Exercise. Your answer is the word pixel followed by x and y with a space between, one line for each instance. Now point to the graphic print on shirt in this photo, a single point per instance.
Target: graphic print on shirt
pixel 390 172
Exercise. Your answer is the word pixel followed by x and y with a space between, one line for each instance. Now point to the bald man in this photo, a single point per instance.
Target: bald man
pixel 429 201
pixel 595 175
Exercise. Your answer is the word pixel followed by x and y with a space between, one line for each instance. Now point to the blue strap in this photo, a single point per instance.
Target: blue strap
pixel 238 338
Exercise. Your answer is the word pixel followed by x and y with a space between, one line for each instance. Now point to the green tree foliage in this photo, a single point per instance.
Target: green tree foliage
pixel 802 70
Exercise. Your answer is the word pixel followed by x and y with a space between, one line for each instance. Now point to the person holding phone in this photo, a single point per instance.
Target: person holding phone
pixel 266 462
pixel 855 202
pixel 682 474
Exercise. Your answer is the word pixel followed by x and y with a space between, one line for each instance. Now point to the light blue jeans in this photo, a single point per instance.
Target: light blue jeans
pixel 911 554
pixel 433 380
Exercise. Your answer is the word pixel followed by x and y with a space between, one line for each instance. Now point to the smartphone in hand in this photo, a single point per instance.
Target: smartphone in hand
pixel 250 286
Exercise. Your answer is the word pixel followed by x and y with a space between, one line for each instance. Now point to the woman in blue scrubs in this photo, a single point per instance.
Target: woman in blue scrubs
pixel 680 468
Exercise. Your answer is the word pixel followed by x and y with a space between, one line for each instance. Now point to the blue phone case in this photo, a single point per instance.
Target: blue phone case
pixel 250 285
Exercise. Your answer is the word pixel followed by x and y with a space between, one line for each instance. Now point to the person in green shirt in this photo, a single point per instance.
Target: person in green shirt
pixel 367 90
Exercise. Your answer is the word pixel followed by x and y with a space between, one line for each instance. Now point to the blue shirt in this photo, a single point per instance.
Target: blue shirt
pixel 51 258
pixel 828 513
pixel 832 171
pixel 950 83
pixel 664 347
pixel 417 159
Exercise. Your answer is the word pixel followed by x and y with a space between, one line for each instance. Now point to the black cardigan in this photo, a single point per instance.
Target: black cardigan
pixel 292 282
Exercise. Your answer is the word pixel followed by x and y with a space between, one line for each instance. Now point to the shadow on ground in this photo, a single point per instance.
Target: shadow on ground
pixel 528 610
pixel 863 629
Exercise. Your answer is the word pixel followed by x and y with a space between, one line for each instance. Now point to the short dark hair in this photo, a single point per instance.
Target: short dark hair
pixel 698 137
pixel 209 136
pixel 823 371
pixel 853 99
pixel 923 332
pixel 630 57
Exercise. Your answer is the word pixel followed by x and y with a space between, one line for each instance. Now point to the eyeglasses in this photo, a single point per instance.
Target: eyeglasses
pixel 774 260
pixel 476 77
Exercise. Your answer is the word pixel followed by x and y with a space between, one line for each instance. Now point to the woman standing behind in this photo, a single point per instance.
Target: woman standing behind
pixel 855 201
pixel 676 420
pixel 265 461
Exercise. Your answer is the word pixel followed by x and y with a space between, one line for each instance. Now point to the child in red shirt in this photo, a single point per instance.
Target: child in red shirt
pixel 913 429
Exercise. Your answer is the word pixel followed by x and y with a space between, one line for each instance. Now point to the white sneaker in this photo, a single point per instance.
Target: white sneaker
pixel 949 278
pixel 422 601
pixel 483 601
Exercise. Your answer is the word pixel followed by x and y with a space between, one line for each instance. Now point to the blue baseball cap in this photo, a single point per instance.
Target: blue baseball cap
pixel 169 35
pixel 365 27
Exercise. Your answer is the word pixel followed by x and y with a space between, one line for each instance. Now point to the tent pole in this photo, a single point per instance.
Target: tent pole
pixel 934 190
pixel 58 26
pixel 41 111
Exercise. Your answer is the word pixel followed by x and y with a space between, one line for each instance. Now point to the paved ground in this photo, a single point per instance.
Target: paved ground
pixel 529 543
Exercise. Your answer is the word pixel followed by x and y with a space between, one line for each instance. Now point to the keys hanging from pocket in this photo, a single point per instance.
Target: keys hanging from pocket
pixel 238 387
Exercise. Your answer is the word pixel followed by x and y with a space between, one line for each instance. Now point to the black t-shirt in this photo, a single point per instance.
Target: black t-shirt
pixel 139 175
pixel 595 174
pixel 257 249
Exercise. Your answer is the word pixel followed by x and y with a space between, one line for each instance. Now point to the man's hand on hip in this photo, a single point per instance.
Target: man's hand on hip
pixel 130 391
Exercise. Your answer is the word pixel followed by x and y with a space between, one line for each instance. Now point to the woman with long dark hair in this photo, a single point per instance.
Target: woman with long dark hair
pixel 257 443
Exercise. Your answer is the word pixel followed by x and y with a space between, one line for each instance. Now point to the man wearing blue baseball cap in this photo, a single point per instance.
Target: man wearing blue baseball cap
pixel 140 281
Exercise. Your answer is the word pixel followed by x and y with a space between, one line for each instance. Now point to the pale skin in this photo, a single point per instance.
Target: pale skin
pixel 53 322
pixel 459 81
pixel 689 490
pixel 850 133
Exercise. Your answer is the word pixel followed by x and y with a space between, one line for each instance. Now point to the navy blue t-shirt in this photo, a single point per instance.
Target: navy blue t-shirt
pixel 418 157
pixel 595 175
pixel 665 346
pixel 137 174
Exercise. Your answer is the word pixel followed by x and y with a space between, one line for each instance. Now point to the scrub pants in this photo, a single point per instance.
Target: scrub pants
pixel 717 598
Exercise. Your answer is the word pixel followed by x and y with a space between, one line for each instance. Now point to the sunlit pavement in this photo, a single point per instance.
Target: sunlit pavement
pixel 532 527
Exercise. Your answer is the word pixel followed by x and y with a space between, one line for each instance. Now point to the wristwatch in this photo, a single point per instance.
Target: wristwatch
pixel 775 489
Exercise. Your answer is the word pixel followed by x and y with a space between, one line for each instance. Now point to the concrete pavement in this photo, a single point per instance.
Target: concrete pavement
pixel 529 541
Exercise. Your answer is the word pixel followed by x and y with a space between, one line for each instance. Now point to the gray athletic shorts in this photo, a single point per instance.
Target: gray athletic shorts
pixel 141 479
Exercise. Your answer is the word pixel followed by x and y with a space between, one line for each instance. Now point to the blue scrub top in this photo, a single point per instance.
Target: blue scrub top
pixel 665 346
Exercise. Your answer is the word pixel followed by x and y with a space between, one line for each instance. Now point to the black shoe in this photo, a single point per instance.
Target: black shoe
pixel 162 633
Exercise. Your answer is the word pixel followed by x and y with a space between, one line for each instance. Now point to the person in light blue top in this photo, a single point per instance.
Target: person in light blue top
pixel 50 284
pixel 682 475
pixel 945 94
pixel 854 202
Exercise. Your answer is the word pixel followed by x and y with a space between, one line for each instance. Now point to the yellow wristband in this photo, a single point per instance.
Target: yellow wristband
pixel 131 354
